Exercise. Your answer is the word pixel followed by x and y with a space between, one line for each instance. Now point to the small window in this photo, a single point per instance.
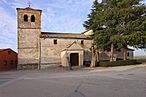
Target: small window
pixel 55 41
pixel 25 18
pixel 82 42
pixel 32 18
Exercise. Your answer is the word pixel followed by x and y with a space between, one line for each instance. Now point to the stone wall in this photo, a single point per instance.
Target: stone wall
pixel 120 54
pixel 29 12
pixel 51 53
pixel 66 54
pixel 28 47
pixel 28 38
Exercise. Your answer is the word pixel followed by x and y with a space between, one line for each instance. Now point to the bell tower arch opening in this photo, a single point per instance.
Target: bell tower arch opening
pixel 25 18
pixel 32 18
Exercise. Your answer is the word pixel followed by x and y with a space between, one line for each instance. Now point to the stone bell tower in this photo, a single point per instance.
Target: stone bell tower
pixel 29 30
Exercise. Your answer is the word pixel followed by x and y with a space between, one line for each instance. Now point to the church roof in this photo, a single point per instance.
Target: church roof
pixel 28 8
pixel 63 35
pixel 88 32
pixel 129 49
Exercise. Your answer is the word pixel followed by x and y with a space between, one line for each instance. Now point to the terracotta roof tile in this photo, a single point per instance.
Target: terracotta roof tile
pixel 1 50
pixel 63 35
pixel 4 49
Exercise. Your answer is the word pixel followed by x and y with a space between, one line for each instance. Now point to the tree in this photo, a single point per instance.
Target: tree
pixel 98 23
pixel 88 25
pixel 131 21
pixel 115 23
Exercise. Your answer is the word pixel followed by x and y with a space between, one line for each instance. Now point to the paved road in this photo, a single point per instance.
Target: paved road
pixel 99 82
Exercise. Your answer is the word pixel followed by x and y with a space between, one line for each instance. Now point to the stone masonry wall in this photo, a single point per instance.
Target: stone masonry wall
pixel 51 53
pixel 28 38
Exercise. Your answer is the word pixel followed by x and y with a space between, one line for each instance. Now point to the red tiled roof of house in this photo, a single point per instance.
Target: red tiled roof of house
pixel 6 49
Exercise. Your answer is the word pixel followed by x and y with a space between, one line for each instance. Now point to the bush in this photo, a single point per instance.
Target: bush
pixel 117 63
pixel 87 63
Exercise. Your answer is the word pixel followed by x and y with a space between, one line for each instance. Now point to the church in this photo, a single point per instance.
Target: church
pixel 38 49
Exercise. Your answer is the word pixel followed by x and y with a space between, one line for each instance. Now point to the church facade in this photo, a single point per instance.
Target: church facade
pixel 37 49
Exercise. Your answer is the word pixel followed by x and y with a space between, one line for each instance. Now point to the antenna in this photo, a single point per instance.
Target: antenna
pixel 29 3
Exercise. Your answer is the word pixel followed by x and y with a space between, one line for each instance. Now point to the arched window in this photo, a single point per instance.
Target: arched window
pixel 25 18
pixel 32 18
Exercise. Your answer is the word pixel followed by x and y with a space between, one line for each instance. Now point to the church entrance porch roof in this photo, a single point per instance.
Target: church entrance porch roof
pixel 73 47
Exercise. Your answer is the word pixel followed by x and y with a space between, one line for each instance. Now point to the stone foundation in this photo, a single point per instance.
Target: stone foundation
pixel 27 66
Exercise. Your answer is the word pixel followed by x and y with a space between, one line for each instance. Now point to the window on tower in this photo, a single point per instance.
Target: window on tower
pixel 25 18
pixel 32 18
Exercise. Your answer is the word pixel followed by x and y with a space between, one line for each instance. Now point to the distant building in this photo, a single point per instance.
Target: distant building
pixel 8 59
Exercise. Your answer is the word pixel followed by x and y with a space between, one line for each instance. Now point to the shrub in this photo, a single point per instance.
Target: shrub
pixel 117 63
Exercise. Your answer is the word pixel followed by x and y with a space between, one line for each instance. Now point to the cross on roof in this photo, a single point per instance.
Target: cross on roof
pixel 29 3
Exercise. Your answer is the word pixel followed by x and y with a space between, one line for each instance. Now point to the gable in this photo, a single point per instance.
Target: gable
pixel 74 46
pixel 88 32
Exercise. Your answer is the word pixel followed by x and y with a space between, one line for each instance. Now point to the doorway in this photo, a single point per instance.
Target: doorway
pixel 74 59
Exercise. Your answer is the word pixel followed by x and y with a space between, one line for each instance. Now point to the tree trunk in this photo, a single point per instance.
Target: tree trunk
pixel 97 56
pixel 124 53
pixel 112 52
pixel 94 57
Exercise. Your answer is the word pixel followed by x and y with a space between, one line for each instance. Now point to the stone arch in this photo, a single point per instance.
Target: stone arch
pixel 32 18
pixel 25 18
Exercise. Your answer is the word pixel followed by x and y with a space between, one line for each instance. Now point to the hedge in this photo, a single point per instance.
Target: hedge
pixel 114 63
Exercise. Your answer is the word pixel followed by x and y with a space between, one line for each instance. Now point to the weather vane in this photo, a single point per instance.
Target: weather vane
pixel 29 3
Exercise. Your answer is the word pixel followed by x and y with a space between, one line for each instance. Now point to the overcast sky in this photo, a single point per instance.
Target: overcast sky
pixel 57 16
